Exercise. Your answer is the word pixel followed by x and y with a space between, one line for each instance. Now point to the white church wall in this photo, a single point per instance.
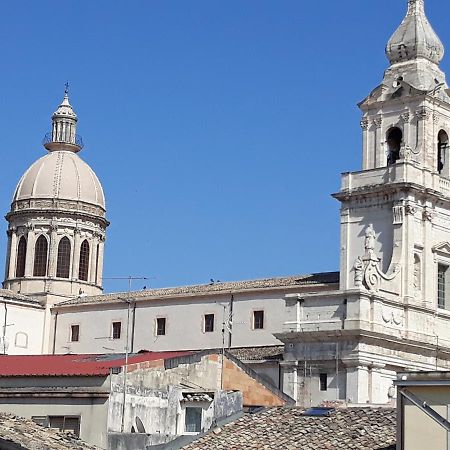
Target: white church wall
pixel 185 324
pixel 24 328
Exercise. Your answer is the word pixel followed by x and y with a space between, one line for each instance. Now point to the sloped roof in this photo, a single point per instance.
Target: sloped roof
pixel 289 429
pixel 267 353
pixel 18 433
pixel 213 288
pixel 73 365
pixel 19 298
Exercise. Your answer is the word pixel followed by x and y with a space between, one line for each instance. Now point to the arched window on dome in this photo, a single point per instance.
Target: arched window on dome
pixel 21 257
pixel 63 262
pixel 84 261
pixel 40 257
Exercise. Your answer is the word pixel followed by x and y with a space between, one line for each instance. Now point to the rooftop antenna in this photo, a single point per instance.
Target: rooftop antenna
pixel 128 301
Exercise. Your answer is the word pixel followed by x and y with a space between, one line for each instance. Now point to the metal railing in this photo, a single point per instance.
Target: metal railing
pixel 49 138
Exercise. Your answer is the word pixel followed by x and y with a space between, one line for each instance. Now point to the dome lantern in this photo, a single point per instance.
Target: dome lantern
pixel 64 128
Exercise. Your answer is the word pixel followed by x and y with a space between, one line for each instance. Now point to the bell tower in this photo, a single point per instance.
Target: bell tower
pixel 395 215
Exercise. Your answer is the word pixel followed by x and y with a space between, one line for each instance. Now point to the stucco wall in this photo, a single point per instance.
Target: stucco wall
pixel 419 430
pixel 93 413
pixel 184 324
pixel 24 328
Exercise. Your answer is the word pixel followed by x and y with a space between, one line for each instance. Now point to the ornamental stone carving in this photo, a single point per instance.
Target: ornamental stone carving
pixel 406 117
pixel 358 267
pixel 378 121
pixel 369 240
pixel 410 209
pixel 423 113
pixel 397 213
pixel 364 123
pixel 428 214
pixel 392 317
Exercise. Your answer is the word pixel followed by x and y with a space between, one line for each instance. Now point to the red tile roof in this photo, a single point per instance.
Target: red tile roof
pixel 74 365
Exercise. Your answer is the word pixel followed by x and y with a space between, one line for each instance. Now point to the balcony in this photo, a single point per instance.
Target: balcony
pixel 52 143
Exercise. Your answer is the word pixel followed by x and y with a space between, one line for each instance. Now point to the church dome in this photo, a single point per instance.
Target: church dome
pixel 415 38
pixel 60 175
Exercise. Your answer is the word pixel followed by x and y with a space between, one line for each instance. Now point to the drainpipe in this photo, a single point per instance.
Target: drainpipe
pixel 230 322
pixel 54 332
pixel 133 323
pixel 4 328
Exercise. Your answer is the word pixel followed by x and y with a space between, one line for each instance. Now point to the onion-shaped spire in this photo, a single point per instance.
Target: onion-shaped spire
pixel 415 38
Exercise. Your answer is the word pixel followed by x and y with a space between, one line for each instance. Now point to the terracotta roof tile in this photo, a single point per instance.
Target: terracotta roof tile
pixel 289 429
pixel 268 353
pixel 74 365
pixel 19 433
pixel 213 288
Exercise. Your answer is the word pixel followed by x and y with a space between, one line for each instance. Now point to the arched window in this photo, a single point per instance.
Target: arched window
pixel 21 257
pixel 394 141
pixel 84 261
pixel 442 152
pixel 40 257
pixel 63 262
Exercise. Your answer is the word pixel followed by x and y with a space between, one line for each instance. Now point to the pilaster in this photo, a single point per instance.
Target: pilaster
pixel 76 253
pixel 29 263
pixel 53 251
pixel 12 253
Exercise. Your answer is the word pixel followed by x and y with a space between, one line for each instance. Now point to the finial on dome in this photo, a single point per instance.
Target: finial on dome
pixel 415 37
pixel 63 135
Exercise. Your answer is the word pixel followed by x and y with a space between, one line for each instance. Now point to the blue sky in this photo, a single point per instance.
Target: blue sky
pixel 217 128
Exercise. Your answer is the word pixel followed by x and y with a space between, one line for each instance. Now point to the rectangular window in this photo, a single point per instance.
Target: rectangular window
pixel 160 326
pixel 258 320
pixel 61 423
pixel 116 330
pixel 323 382
pixel 193 420
pixel 209 323
pixel 441 285
pixel 74 333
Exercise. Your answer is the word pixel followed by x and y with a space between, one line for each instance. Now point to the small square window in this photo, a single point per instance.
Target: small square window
pixel 74 333
pixel 193 420
pixel 209 323
pixel 323 377
pixel 258 320
pixel 160 326
pixel 116 330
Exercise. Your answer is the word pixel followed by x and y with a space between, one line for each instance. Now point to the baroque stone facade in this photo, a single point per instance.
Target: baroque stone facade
pixel 392 311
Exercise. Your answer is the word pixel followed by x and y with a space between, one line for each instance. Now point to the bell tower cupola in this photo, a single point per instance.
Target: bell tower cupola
pixel 395 212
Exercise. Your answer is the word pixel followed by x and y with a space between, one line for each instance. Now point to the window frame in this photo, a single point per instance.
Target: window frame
pixel 323 382
pixel 157 328
pixel 254 319
pixel 22 259
pixel 40 260
pixel 197 409
pixel 84 260
pixel 63 260
pixel 209 327
pixel 71 335
pixel 114 335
